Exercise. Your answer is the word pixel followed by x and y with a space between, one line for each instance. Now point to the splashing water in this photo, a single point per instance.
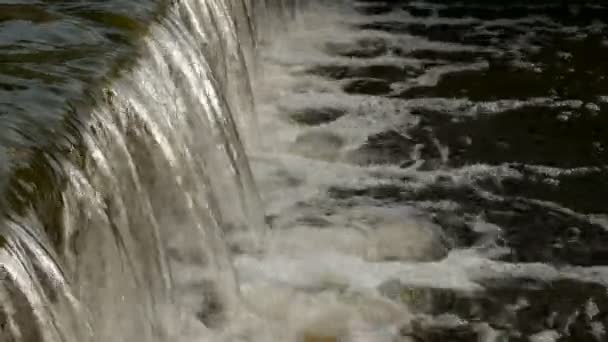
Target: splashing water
pixel 233 184
pixel 154 177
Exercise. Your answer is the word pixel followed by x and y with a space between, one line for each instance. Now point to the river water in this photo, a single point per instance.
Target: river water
pixel 352 170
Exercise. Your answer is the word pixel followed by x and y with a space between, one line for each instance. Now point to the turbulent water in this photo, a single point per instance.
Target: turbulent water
pixel 148 173
pixel 225 170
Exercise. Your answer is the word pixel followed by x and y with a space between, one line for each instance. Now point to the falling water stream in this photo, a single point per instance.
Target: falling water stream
pixel 155 173
pixel 308 171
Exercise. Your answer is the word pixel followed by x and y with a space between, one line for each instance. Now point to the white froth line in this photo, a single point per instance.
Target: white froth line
pixel 311 271
pixel 434 75
pixel 361 176
pixel 451 106
pixel 599 219
pixel 594 274
pixel 557 172
pixel 343 99
pixel 461 270
pixel 403 17
pixel 285 159
pixel 567 211
pixel 385 171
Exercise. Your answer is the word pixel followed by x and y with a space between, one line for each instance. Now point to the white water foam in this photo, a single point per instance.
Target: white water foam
pixel 318 278
pixel 318 274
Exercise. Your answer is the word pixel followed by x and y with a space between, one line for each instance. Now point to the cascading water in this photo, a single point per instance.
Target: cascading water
pixel 154 177
pixel 307 171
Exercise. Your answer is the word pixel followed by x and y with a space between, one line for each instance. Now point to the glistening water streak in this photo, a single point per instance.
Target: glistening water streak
pixel 155 175
pixel 428 171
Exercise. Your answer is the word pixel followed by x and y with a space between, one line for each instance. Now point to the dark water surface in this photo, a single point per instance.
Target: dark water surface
pixel 526 84
pixel 552 52
pixel 51 53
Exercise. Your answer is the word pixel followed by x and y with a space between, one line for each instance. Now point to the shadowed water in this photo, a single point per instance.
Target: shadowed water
pixel 352 170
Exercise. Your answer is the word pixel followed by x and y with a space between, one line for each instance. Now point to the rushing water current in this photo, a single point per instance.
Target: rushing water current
pixel 307 171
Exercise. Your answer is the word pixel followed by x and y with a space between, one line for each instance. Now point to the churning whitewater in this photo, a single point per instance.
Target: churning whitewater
pixel 238 183
pixel 149 184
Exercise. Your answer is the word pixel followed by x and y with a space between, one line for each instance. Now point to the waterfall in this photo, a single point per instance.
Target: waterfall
pixel 149 175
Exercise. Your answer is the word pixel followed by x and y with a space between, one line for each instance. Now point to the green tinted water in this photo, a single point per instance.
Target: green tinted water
pixel 53 52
